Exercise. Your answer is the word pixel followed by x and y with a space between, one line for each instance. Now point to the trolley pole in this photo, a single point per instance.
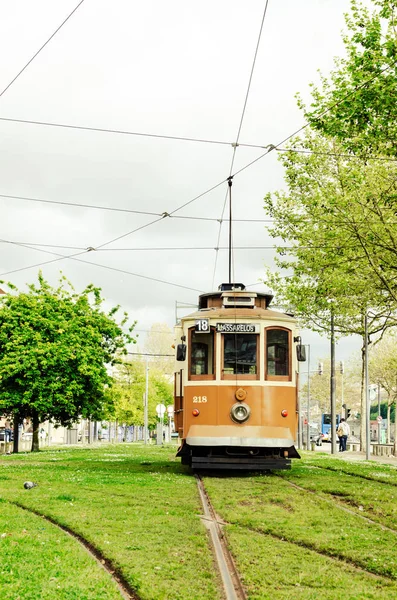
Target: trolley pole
pixel 333 386
pixel 230 183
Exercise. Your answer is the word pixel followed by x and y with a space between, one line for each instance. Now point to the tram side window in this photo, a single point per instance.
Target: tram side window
pixel 202 353
pixel 277 352
pixel 240 354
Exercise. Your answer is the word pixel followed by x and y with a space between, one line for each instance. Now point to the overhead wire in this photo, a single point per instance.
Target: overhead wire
pixel 163 216
pixel 74 257
pixel 269 148
pixel 127 210
pixel 41 48
pixel 80 205
pixel 337 154
pixel 121 132
pixel 184 139
pixel 238 137
pixel 272 147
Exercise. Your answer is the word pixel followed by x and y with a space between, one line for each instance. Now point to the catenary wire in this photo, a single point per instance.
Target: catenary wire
pixel 41 48
pixel 88 249
pixel 80 205
pixel 125 210
pixel 238 137
pixel 252 72
pixel 180 138
pixel 337 154
pixel 74 257
pixel 270 148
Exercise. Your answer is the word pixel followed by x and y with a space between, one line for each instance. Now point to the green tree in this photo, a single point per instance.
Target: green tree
pixel 336 223
pixel 129 388
pixel 383 371
pixel 55 349
pixel 159 345
pixel 320 388
pixel 356 104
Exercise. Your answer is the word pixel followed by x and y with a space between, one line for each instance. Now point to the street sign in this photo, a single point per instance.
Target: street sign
pixel 379 419
pixel 372 392
pixel 160 410
pixel 170 410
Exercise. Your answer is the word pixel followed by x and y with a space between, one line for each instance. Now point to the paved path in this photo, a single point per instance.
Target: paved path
pixel 358 456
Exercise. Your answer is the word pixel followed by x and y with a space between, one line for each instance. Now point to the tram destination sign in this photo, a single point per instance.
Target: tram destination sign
pixel 237 328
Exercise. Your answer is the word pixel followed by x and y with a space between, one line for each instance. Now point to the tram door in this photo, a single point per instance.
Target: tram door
pixel 178 402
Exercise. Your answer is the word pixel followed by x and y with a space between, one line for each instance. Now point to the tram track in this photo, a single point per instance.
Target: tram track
pixel 335 501
pixel 232 586
pixel 125 589
pixel 336 558
pixel 358 475
pixel 340 559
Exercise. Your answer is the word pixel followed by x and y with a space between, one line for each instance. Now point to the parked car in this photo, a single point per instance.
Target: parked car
pixel 318 438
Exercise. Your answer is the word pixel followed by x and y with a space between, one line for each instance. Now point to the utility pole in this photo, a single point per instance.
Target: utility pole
pixel 299 410
pixel 366 383
pixel 308 396
pixel 341 370
pixel 333 386
pixel 145 406
pixel 379 415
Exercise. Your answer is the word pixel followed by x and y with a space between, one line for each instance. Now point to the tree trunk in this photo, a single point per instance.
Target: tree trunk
pixel 15 446
pixel 388 423
pixel 116 432
pixel 35 438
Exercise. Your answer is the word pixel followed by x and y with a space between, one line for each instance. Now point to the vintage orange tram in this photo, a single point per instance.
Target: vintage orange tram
pixel 236 383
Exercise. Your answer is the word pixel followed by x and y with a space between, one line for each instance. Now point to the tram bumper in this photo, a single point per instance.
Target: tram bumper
pixel 237 435
pixel 247 436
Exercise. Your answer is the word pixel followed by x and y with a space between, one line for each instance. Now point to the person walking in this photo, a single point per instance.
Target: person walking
pixel 343 432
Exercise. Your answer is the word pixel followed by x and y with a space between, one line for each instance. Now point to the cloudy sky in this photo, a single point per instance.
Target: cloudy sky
pixel 175 68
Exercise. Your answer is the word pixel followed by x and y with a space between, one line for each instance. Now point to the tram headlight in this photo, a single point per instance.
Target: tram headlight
pixel 240 413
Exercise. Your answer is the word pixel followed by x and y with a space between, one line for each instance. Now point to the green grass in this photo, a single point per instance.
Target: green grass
pixel 275 570
pixel 358 487
pixel 312 545
pixel 40 562
pixel 140 508
pixel 136 505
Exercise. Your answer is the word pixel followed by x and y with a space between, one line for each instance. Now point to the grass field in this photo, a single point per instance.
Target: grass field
pixel 139 508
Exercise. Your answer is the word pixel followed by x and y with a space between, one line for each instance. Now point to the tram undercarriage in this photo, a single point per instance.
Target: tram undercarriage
pixel 234 458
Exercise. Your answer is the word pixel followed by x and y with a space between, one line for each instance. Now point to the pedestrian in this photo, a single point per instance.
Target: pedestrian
pixel 343 432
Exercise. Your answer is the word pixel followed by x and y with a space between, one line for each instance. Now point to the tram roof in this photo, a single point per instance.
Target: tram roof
pixel 236 313
pixel 233 289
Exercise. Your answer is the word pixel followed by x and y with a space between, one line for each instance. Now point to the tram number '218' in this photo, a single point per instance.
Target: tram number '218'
pixel 200 399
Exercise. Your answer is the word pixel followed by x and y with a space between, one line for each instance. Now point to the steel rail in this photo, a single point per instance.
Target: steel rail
pixel 232 585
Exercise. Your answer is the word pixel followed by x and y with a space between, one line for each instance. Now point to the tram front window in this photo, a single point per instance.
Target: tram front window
pixel 202 354
pixel 277 342
pixel 240 354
